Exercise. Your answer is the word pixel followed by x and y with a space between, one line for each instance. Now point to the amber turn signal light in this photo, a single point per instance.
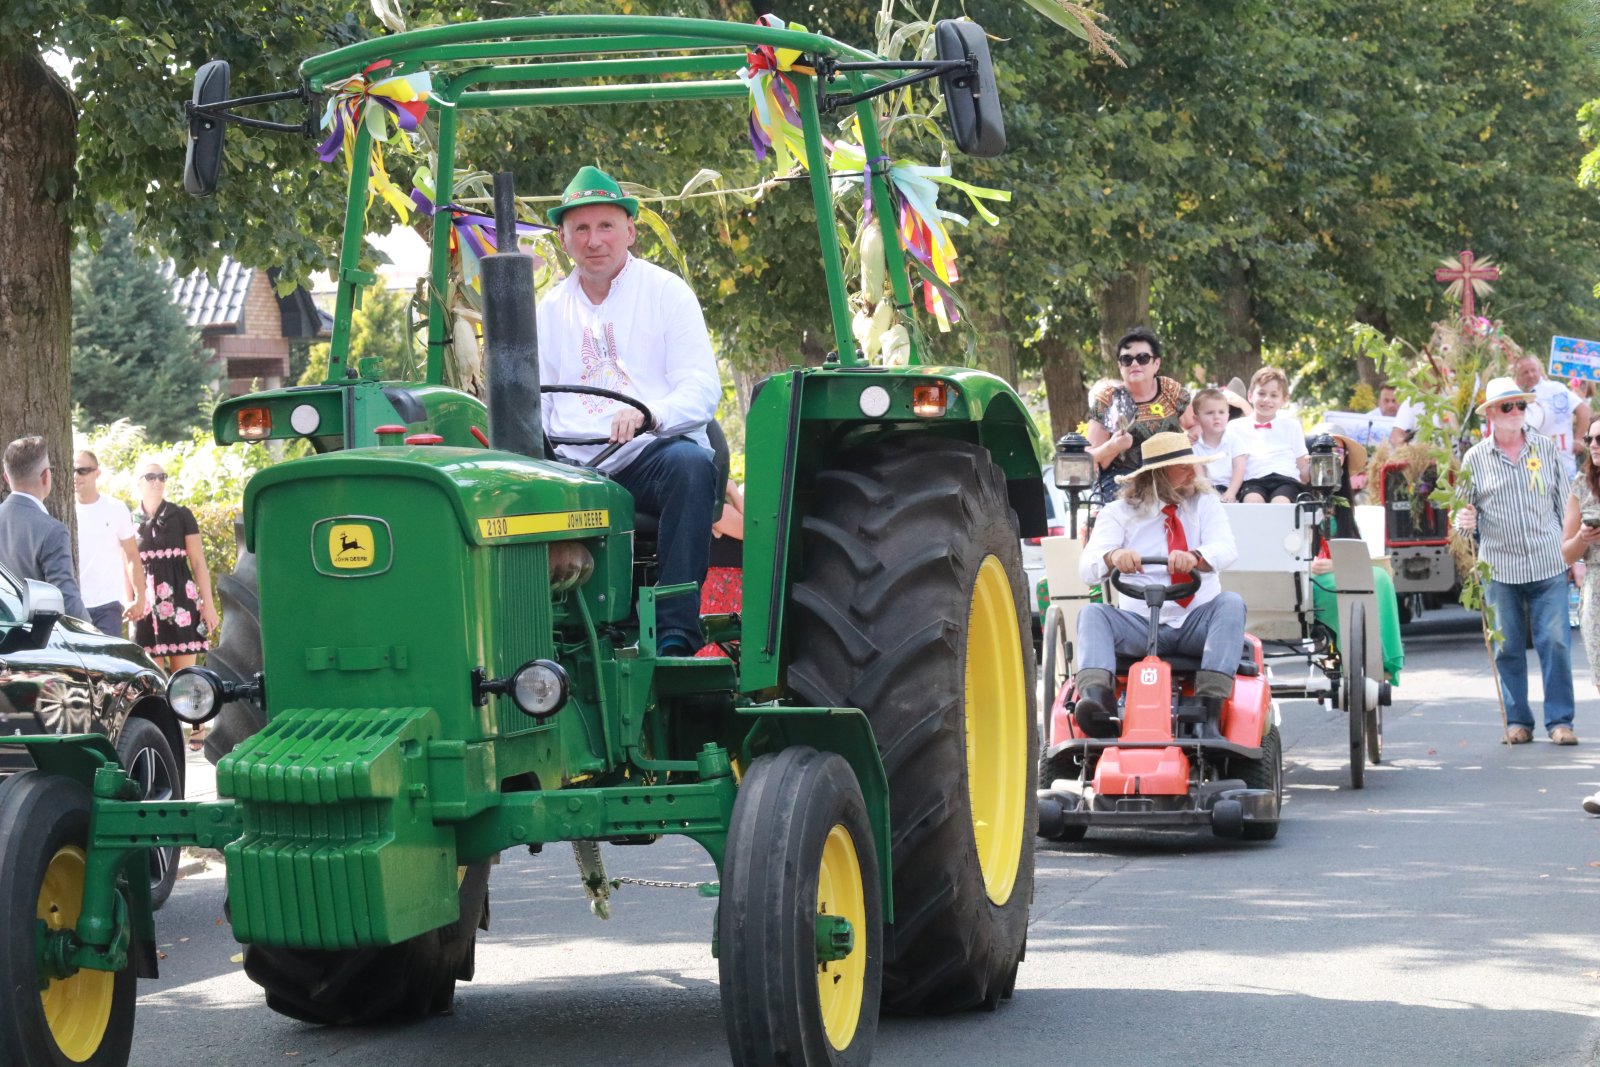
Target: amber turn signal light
pixel 929 401
pixel 255 424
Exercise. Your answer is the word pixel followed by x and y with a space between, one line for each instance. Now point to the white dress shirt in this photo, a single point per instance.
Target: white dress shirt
pixel 1205 526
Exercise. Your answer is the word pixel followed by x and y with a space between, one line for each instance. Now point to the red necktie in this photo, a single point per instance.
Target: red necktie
pixel 1177 541
pixel 1263 425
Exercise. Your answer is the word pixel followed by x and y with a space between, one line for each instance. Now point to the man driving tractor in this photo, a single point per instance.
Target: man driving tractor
pixel 626 325
pixel 1164 509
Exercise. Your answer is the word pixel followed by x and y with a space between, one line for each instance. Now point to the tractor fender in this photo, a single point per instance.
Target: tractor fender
pixel 844 731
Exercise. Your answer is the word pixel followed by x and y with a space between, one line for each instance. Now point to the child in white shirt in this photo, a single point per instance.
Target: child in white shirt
pixel 1277 463
pixel 1225 470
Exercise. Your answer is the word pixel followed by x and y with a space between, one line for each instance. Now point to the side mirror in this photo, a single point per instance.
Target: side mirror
pixel 42 605
pixel 204 157
pixel 971 99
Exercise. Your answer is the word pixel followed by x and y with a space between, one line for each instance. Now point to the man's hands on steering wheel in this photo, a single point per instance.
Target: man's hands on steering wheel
pixel 1141 591
pixel 627 424
pixel 1128 561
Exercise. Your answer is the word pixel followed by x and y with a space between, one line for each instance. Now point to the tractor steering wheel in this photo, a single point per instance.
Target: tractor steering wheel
pixel 1154 593
pixel 609 394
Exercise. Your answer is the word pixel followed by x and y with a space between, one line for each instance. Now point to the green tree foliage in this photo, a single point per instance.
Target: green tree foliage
pixel 381 330
pixel 133 355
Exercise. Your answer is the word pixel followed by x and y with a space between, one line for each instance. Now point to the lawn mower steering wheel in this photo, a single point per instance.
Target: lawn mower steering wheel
pixel 1154 593
pixel 608 394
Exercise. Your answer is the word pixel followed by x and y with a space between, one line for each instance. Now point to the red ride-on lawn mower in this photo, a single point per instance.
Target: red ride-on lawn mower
pixel 1172 766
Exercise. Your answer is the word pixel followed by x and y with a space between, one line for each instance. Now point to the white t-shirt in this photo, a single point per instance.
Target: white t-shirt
pixel 102 527
pixel 1556 404
pixel 1219 471
pixel 648 339
pixel 1272 448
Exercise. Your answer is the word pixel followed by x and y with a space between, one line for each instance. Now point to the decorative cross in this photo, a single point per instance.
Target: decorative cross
pixel 1467 277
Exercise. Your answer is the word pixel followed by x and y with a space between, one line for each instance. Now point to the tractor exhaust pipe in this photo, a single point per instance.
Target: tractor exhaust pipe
pixel 511 335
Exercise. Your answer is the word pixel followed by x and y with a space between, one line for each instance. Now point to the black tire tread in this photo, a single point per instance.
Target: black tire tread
pixel 237 655
pixel 142 733
pixel 878 622
pixel 1263 773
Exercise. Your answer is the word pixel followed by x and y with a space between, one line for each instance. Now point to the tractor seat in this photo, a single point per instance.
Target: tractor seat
pixel 1189 664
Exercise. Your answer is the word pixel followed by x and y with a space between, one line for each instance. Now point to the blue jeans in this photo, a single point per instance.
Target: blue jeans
pixel 677 480
pixel 1213 632
pixel 1542 608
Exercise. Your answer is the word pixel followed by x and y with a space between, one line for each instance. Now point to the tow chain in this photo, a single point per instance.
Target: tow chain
pixel 705 889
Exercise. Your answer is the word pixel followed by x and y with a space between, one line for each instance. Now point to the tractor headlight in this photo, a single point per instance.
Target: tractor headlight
pixel 539 688
pixel 194 694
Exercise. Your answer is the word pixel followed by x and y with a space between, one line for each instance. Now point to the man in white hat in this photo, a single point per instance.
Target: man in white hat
pixel 626 325
pixel 1164 509
pixel 1516 501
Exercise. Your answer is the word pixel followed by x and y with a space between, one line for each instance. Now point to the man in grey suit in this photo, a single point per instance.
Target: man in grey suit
pixel 33 543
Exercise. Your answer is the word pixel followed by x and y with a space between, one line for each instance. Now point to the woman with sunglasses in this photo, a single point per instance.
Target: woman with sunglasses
pixel 1122 416
pixel 1516 501
pixel 178 583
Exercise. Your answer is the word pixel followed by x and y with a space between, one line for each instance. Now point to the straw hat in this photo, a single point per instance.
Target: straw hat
pixel 1500 390
pixel 1165 450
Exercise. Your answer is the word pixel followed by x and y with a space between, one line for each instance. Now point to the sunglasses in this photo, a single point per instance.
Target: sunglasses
pixel 1142 358
pixel 153 477
pixel 1593 439
pixel 1513 405
pixel 84 470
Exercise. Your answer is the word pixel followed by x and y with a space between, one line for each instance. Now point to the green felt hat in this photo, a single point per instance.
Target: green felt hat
pixel 591 185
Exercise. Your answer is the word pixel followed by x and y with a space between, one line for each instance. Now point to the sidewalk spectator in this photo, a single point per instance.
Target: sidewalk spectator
pixel 33 543
pixel 108 552
pixel 1516 502
pixel 1562 416
pixel 1580 546
pixel 178 583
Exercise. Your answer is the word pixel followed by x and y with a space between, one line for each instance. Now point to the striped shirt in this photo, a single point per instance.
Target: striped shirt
pixel 1520 508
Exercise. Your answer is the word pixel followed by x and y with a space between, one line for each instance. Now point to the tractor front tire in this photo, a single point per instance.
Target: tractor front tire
pixel 84 1019
pixel 800 847
pixel 395 983
pixel 912 607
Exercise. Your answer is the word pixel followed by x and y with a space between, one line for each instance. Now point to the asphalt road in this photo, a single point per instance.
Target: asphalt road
pixel 1446 914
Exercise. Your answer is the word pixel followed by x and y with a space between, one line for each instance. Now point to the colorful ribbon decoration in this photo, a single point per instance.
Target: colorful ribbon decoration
pixel 359 99
pixel 921 222
pixel 472 235
pixel 775 126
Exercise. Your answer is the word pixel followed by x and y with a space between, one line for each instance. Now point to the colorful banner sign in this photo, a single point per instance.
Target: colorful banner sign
pixel 1574 358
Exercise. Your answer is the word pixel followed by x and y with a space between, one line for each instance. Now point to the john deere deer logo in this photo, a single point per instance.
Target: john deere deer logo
pixel 350 547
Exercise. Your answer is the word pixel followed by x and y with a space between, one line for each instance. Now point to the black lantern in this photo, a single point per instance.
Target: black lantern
pixel 1074 470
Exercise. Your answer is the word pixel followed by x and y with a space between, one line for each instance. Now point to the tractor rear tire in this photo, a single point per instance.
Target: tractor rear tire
pixel 394 983
pixel 84 1019
pixel 800 845
pixel 1263 773
pixel 912 607
pixel 237 656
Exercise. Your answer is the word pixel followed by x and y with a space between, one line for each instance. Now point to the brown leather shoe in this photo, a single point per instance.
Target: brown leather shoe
pixel 1518 735
pixel 1563 735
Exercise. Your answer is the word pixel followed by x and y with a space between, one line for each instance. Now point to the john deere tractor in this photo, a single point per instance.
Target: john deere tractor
pixel 458 648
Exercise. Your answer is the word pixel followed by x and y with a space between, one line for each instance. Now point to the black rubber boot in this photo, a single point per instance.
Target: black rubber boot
pixel 1096 712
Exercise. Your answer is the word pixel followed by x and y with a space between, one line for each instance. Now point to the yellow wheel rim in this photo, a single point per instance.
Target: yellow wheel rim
pixel 76 1009
pixel 841 984
pixel 997 730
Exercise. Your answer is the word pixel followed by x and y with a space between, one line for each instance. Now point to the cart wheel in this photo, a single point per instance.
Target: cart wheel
pixel 1375 733
pixel 84 1019
pixel 1057 665
pixel 800 854
pixel 1355 691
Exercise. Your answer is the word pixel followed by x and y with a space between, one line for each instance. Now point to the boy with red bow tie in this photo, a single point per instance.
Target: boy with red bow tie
pixel 1277 464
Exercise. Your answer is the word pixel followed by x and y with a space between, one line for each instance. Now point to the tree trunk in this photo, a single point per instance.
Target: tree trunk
pixel 1065 387
pixel 38 149
pixel 1366 367
pixel 1124 303
pixel 1241 355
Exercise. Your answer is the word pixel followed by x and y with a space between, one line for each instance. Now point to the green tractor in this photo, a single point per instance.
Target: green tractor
pixel 458 650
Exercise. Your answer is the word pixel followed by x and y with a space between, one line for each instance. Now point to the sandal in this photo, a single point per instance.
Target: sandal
pixel 1563 735
pixel 1518 735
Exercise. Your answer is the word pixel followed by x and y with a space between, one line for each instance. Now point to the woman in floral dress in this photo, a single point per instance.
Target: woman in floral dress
pixel 181 613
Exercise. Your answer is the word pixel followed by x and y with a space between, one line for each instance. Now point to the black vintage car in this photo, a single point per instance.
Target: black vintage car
pixel 60 675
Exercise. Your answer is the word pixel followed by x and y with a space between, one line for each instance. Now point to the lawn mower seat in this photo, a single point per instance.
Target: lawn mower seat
pixel 1189 664
pixel 647 523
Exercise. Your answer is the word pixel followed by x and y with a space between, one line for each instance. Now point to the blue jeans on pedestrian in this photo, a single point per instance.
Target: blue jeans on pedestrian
pixel 676 479
pixel 1539 608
